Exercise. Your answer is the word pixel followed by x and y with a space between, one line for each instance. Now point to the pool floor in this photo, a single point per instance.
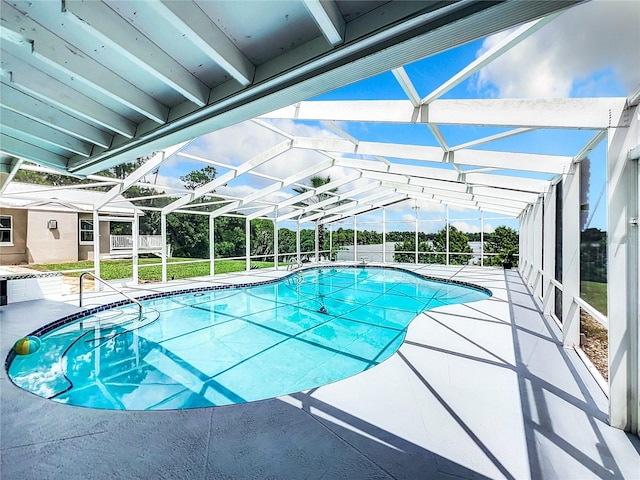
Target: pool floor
pixel 234 345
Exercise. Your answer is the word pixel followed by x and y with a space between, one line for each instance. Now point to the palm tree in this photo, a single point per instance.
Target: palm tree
pixel 317 182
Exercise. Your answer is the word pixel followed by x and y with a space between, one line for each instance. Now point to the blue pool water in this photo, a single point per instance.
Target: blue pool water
pixel 233 345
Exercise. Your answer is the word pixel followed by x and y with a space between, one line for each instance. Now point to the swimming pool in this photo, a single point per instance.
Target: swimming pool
pixel 234 344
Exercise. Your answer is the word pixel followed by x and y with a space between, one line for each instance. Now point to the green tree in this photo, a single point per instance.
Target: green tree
pixel 433 248
pixel 317 182
pixel 198 178
pixel 262 239
pixel 502 241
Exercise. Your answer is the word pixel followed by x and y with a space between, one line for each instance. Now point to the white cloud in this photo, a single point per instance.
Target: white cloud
pixel 598 38
pixel 164 181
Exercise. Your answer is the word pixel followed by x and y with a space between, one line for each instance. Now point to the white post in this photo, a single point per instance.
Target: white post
pixel 247 243
pixel 549 259
pixel 481 238
pixel 537 247
pixel 317 243
pixel 524 236
pixel 416 233
pixel 163 232
pixel 571 256
pixel 355 239
pixel 298 241
pixel 447 245
pixel 135 227
pixel 275 241
pixel 384 235
pixel 96 249
pixel 623 270
pixel 331 242
pixel 212 246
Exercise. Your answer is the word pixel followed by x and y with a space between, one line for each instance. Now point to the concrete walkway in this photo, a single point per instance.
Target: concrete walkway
pixel 483 390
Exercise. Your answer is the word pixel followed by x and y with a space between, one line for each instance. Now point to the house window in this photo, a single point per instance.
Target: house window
pixel 6 230
pixel 86 232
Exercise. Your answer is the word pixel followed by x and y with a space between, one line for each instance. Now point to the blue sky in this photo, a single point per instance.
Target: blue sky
pixel 590 50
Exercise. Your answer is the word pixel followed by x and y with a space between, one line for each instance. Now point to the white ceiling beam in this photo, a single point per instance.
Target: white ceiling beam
pixel 348 198
pixel 496 51
pixel 591 144
pixel 410 170
pixel 328 201
pixel 508 182
pixel 37 84
pixel 407 86
pixel 340 132
pixel 381 193
pixel 502 202
pixel 10 167
pixel 416 181
pixel 273 128
pixel 329 19
pixel 581 113
pixel 150 165
pixel 326 144
pixel 492 138
pixel 297 199
pixel 206 35
pixel 36 133
pixel 28 106
pixel 365 208
pixel 512 161
pixel 296 177
pixel 439 137
pixel 18 148
pixel 54 54
pixel 525 197
pixel 256 161
pixel 478 158
pixel 100 21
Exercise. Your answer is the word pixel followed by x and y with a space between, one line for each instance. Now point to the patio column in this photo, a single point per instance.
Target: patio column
pixel 247 243
pixel 135 227
pixel 571 256
pixel 521 235
pixel 331 242
pixel 96 249
pixel 275 241
pixel 163 233
pixel 537 247
pixel 298 241
pixel 317 242
pixel 212 246
pixel 523 245
pixel 416 233
pixel 447 230
pixel 355 238
pixel 481 238
pixel 549 257
pixel 384 234
pixel 623 210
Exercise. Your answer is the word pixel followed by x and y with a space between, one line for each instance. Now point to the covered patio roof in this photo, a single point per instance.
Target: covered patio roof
pixel 89 85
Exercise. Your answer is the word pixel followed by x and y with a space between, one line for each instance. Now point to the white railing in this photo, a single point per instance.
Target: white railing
pixel 145 242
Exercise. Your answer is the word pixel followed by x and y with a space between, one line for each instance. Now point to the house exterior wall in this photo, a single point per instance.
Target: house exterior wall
pixel 17 253
pixel 85 252
pixel 51 246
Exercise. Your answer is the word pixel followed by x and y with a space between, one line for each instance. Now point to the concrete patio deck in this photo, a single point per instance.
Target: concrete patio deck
pixel 482 390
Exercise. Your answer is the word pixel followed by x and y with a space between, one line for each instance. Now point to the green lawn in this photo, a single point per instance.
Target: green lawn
pixel 595 294
pixel 115 269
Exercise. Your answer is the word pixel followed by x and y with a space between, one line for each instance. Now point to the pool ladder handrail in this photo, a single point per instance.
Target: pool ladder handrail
pixel 104 282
